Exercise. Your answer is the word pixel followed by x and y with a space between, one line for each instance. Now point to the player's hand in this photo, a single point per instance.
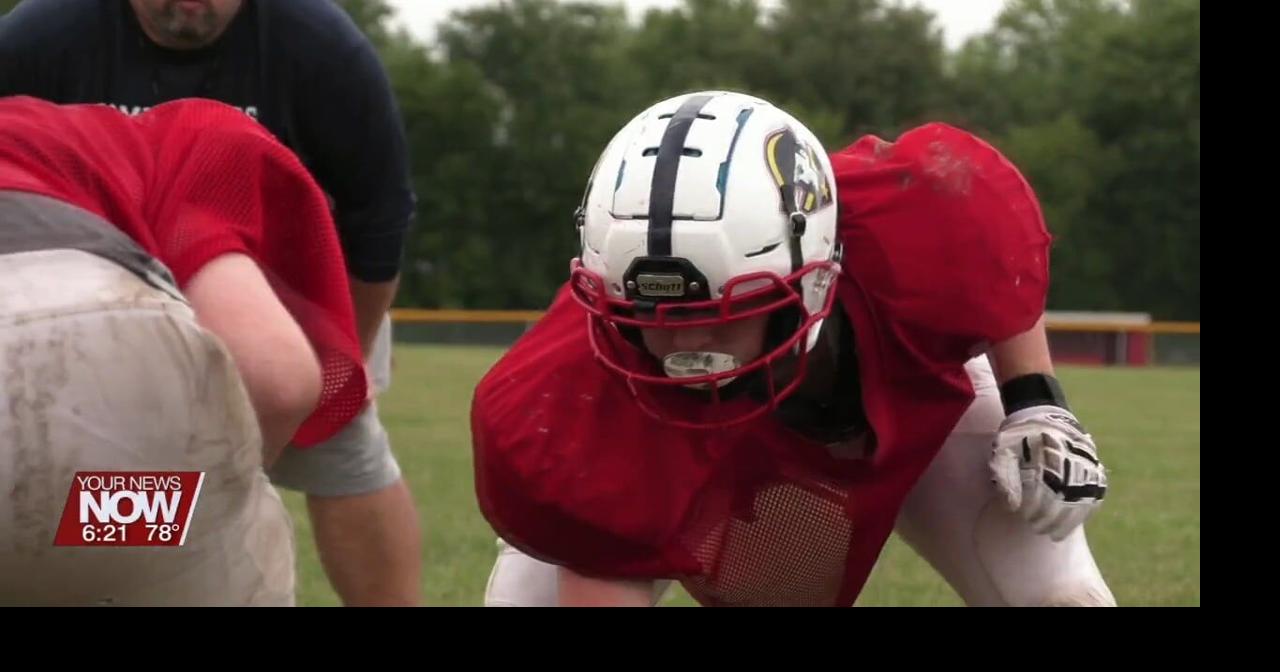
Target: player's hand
pixel 1046 466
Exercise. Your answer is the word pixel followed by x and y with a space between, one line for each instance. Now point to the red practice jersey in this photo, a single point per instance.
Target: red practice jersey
pixel 192 180
pixel 946 251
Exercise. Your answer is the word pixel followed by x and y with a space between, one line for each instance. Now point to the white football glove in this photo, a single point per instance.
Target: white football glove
pixel 1046 466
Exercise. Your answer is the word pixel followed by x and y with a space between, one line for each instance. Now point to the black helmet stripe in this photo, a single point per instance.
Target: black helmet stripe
pixel 786 157
pixel 662 192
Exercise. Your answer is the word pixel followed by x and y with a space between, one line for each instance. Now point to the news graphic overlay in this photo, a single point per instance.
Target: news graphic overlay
pixel 129 508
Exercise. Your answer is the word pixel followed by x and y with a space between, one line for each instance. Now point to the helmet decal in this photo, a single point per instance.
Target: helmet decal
pixel 796 164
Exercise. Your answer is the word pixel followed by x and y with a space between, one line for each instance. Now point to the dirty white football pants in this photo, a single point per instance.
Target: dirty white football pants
pixel 100 370
pixel 953 518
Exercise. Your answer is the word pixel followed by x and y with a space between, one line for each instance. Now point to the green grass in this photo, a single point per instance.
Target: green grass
pixel 1146 539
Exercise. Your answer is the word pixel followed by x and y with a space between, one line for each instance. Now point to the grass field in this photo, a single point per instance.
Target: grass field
pixel 1146 539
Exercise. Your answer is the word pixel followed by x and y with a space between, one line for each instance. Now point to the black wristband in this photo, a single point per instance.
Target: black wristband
pixel 1033 389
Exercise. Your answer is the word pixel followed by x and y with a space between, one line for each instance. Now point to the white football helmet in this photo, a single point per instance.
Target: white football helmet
pixel 707 208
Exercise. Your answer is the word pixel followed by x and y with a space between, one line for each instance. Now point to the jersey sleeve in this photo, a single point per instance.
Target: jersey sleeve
pixel 944 236
pixel 224 184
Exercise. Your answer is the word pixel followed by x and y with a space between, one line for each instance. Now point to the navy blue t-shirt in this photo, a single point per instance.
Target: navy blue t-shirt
pixel 300 67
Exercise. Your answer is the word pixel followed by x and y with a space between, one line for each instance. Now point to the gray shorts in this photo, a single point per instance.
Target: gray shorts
pixel 358 459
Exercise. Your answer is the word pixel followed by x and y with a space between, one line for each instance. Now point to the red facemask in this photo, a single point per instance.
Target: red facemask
pixel 713 400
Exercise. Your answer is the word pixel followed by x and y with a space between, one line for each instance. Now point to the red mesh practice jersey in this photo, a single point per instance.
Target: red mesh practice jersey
pixel 189 181
pixel 945 251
